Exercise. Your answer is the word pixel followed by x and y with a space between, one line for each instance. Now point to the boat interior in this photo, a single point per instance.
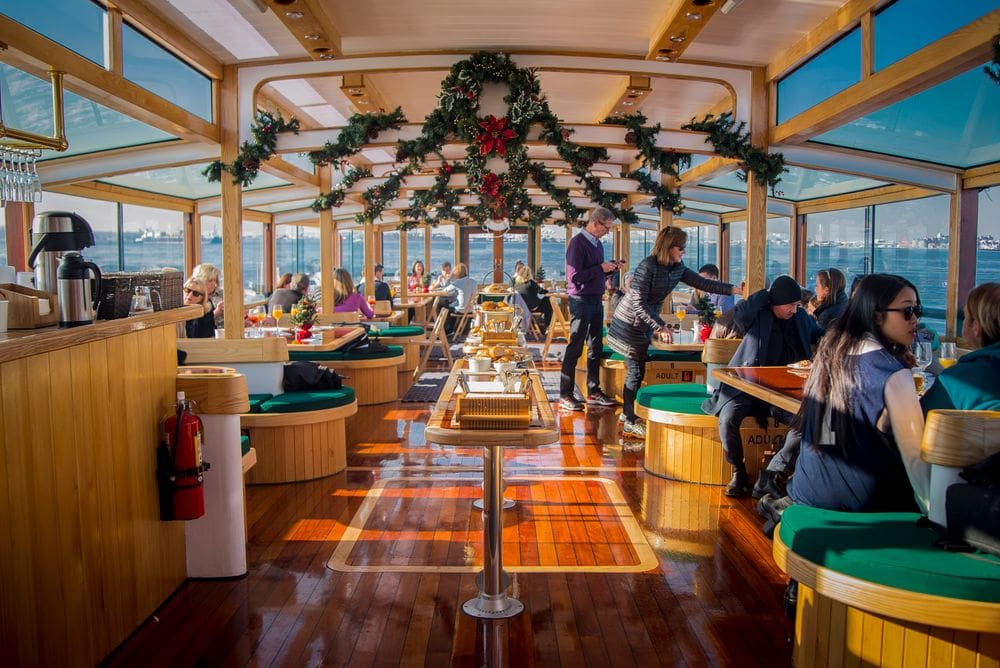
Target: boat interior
pixel 303 136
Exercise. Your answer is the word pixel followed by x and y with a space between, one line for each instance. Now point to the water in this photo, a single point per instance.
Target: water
pixel 926 267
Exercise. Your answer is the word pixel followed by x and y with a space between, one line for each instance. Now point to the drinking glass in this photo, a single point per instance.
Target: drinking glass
pixel 922 353
pixel 948 354
pixel 276 313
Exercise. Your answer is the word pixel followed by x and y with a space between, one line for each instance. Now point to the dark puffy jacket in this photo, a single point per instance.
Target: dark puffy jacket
pixel 828 313
pixel 638 312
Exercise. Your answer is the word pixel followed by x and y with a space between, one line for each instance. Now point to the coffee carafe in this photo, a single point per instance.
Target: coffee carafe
pixel 54 233
pixel 77 302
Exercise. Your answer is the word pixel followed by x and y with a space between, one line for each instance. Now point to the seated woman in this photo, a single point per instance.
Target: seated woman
pixel 463 290
pixel 533 295
pixel 202 327
pixel 416 279
pixel 972 383
pixel 831 296
pixel 284 281
pixel 860 419
pixel 346 298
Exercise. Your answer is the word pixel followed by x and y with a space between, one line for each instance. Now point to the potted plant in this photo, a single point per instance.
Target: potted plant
pixel 706 317
pixel 303 316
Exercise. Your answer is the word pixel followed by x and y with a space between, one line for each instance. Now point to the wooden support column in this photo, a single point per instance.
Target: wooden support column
pixel 797 245
pixel 232 209
pixel 192 241
pixel 326 242
pixel 723 259
pixel 270 256
pixel 369 270
pixel 17 221
pixel 756 193
pixel 427 248
pixel 404 283
pixel 458 245
pixel 498 258
pixel 962 251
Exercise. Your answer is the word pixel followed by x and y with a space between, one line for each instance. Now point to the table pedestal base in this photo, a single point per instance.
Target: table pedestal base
pixel 498 606
pixel 479 504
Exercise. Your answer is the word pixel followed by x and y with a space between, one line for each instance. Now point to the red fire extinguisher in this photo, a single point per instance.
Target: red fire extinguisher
pixel 180 466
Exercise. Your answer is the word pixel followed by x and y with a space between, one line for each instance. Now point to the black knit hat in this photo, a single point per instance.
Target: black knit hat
pixel 785 290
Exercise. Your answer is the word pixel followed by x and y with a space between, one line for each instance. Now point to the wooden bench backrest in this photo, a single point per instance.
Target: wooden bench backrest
pixel 227 351
pixel 960 438
pixel 719 351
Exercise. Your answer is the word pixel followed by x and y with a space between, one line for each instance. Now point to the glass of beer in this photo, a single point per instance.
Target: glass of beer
pixel 918 381
pixel 948 354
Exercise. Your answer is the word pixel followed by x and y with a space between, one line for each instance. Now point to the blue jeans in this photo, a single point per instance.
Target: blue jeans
pixel 586 324
pixel 731 417
pixel 635 371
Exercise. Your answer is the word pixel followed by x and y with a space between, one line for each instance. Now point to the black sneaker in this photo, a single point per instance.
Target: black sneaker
pixel 768 482
pixel 570 404
pixel 600 399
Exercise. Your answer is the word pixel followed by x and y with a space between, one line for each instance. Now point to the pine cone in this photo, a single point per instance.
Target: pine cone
pixel 631 138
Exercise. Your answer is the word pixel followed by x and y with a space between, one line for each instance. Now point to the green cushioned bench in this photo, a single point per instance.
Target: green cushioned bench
pixel 883 573
pixel 662 366
pixel 396 332
pixel 341 356
pixel 372 375
pixel 682 442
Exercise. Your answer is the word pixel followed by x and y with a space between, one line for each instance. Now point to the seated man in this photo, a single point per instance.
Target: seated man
pixel 777 332
pixel 288 297
pixel 382 290
pixel 462 290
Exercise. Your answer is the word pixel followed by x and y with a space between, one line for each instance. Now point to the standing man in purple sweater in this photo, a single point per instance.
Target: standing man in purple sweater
pixel 585 275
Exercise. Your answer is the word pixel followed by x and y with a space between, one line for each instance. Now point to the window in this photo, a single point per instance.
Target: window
pixel 415 249
pixel 988 236
pixel 76 25
pixel 297 250
pixel 552 254
pixel 147 64
pixel 737 252
pixel 836 239
pixel 903 28
pixel 153 238
pixel 640 244
pixel 515 247
pixel 103 219
pixel 211 241
pixel 390 254
pixel 834 69
pixel 480 259
pixel 352 252
pixel 777 252
pixel 442 246
pixel 702 246
pixel 253 260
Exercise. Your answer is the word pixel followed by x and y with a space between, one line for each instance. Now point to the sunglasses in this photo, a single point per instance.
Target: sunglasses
pixel 909 312
pixel 189 291
pixel 680 248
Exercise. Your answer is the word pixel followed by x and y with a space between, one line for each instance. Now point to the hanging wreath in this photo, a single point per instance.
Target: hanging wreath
pixel 500 195
pixel 993 68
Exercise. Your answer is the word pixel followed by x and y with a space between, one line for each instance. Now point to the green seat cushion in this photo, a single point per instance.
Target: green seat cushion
pixel 341 356
pixel 683 398
pixel 389 332
pixel 256 400
pixel 311 400
pixel 891 550
pixel 664 356
pixel 244 443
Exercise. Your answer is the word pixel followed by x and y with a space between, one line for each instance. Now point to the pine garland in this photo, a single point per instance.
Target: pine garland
pixel 335 197
pixel 993 68
pixel 731 141
pixel 251 155
pixel 361 129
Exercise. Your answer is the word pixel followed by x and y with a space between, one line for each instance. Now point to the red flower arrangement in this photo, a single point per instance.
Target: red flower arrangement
pixel 494 136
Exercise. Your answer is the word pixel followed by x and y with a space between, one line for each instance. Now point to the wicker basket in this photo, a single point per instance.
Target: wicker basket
pixel 117 289
pixel 493 410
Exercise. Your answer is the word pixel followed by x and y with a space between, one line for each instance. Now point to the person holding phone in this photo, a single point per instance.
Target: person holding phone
pixel 637 316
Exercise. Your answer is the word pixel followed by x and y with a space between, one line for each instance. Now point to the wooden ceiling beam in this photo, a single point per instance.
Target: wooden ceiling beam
pixel 633 92
pixel 680 28
pixel 362 94
pixel 309 24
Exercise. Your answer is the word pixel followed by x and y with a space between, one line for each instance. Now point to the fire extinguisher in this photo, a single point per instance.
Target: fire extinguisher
pixel 179 465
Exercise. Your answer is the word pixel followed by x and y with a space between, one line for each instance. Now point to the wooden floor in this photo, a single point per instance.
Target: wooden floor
pixel 713 598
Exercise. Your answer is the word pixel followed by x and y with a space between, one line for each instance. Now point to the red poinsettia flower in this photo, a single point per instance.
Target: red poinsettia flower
pixel 494 136
pixel 490 185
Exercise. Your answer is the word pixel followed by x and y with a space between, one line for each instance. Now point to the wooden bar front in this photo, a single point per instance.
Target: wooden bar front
pixel 85 558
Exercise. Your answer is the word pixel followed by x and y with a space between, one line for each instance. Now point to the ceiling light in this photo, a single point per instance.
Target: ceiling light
pixel 294 14
pixel 677 38
pixel 693 16
pixel 730 5
pixel 628 103
pixel 311 37
pixel 663 57
pixel 327 56
pixel 356 91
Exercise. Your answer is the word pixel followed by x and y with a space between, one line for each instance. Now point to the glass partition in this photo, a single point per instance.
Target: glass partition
pixel 76 25
pixel 480 259
pixel 737 252
pixel 415 249
pixel 253 261
pixel 702 246
pixel 153 238
pixel 777 252
pixel 836 239
pixel 988 236
pixel 640 245
pixel 442 246
pixel 552 254
pixel 834 69
pixel 515 247
pixel 297 250
pixel 390 255
pixel 352 253
pixel 211 241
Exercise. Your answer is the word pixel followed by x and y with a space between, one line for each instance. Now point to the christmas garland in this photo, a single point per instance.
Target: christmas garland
pixel 245 168
pixel 993 68
pixel 730 141
pixel 500 195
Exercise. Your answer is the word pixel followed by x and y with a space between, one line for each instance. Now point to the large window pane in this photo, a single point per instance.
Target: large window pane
pixel 297 250
pixel 76 25
pixel 702 246
pixel 442 246
pixel 911 239
pixel 988 235
pixel 253 260
pixel 515 247
pixel 480 260
pixel 149 65
pixel 737 252
pixel 902 28
pixel 103 219
pixel 833 70
pixel 553 252
pixel 352 253
pixel 415 249
pixel 640 245
pixel 777 252
pixel 211 241
pixel 836 239
pixel 390 255
pixel 154 238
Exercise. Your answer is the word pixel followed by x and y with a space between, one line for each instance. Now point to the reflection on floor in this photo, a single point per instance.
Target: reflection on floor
pixel 710 595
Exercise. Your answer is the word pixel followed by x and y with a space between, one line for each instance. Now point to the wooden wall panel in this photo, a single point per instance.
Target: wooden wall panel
pixel 85 557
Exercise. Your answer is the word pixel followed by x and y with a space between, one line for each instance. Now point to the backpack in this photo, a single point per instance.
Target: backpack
pixel 301 376
pixel 364 345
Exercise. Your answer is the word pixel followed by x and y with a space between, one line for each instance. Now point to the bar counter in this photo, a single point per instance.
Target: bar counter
pixel 85 556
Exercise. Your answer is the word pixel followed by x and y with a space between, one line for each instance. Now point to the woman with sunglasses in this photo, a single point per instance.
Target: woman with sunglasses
pixel 202 327
pixel 860 419
pixel 637 317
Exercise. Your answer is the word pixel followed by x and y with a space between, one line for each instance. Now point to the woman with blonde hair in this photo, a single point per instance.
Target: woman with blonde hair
pixel 533 295
pixel 346 298
pixel 210 275
pixel 972 383
pixel 195 294
pixel 637 316
pixel 463 291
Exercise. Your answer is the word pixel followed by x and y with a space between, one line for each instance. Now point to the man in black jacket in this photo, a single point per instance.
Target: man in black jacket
pixel 777 332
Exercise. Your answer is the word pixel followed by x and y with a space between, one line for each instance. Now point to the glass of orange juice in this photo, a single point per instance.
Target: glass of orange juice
pixel 276 313
pixel 948 354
